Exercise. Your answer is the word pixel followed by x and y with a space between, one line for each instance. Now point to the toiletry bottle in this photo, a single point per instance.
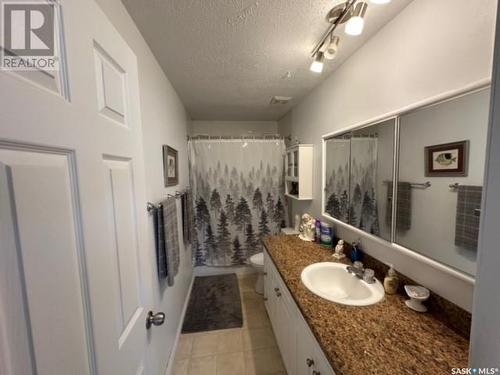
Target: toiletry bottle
pixel 356 253
pixel 318 231
pixel 326 234
pixel 391 281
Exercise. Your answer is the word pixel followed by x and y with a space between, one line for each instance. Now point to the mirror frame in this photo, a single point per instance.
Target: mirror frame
pixel 396 115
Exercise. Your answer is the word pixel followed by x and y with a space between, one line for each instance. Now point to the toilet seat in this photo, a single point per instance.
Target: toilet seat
pixel 257 259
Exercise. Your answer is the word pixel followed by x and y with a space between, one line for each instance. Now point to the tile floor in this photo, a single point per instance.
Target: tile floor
pixel 250 350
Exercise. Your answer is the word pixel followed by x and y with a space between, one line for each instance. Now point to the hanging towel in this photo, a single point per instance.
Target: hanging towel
pixel 185 218
pixel 190 212
pixel 171 238
pixel 468 215
pixel 161 256
pixel 403 208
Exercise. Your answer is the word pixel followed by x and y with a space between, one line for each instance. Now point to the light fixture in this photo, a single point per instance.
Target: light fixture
pixel 380 1
pixel 331 47
pixel 356 23
pixel 317 64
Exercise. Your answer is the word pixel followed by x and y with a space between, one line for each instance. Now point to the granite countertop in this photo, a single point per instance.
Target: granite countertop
pixel 385 338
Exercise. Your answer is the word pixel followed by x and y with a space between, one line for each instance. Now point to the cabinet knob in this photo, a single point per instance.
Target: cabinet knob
pixel 278 294
pixel 276 289
pixel 309 362
pixel 265 298
pixel 316 372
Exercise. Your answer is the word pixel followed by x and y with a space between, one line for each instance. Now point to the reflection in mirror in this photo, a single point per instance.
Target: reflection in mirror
pixel 358 177
pixel 337 153
pixel 445 145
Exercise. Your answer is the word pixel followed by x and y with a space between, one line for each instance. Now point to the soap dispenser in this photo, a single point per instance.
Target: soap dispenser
pixel 391 281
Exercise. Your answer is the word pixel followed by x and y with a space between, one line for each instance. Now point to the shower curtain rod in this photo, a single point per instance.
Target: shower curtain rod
pixel 230 137
pixel 350 136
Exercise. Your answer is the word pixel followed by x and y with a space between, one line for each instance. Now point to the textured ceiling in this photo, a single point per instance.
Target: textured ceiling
pixel 227 58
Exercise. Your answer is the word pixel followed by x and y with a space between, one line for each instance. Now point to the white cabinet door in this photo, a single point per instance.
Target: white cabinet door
pixel 310 357
pixel 72 200
pixel 305 350
pixel 287 323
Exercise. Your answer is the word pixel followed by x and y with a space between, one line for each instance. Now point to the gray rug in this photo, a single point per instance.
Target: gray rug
pixel 214 303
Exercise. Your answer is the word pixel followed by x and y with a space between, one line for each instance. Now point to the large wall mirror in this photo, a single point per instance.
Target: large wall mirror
pixel 358 170
pixel 437 153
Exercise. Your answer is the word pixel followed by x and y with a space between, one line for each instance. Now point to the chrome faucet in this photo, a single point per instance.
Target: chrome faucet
pixel 365 274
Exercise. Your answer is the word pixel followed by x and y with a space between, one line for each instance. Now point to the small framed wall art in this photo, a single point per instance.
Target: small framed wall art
pixel 446 160
pixel 170 166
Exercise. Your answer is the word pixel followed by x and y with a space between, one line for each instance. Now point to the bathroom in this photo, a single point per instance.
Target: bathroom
pixel 178 176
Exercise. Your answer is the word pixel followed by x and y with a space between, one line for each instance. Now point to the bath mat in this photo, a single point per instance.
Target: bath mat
pixel 214 303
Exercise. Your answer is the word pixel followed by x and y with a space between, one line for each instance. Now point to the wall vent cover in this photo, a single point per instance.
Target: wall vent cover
pixel 280 99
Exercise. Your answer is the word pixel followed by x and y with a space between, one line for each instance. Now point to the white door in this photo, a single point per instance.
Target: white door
pixel 75 268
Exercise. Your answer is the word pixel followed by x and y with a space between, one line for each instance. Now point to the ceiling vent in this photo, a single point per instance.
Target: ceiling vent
pixel 280 99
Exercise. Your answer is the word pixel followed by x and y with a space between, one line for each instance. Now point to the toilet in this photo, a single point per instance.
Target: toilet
pixel 257 262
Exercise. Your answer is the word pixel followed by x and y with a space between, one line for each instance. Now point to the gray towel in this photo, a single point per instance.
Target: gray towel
pixel 468 215
pixel 191 222
pixel 171 238
pixel 187 217
pixel 403 208
pixel 161 256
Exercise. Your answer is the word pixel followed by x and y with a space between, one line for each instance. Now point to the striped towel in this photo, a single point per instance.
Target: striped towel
pixel 161 255
pixel 171 238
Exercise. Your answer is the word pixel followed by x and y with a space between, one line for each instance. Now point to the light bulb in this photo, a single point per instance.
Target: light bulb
pixel 355 26
pixel 356 23
pixel 317 64
pixel 380 1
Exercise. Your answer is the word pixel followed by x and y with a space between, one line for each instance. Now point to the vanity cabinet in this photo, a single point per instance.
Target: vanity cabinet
pixel 299 172
pixel 299 349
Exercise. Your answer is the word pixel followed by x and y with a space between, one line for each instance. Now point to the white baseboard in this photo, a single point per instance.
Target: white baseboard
pixel 171 360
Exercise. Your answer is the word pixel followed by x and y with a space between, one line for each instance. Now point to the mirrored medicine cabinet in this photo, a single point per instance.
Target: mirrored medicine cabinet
pixel 414 179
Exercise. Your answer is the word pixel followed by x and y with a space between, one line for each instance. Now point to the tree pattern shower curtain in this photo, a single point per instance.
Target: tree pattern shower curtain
pixel 351 181
pixel 238 188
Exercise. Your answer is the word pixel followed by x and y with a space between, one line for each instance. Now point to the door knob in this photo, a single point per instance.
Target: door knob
pixel 154 319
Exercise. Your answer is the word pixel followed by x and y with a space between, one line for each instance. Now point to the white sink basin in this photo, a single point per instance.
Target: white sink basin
pixel 331 281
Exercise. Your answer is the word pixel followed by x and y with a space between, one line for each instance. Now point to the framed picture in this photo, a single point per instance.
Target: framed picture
pixel 450 159
pixel 170 166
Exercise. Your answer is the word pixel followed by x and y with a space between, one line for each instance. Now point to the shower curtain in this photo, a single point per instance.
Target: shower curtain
pixel 238 189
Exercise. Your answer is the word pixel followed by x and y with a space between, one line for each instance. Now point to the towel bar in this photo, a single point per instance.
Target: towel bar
pixel 150 207
pixel 420 185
